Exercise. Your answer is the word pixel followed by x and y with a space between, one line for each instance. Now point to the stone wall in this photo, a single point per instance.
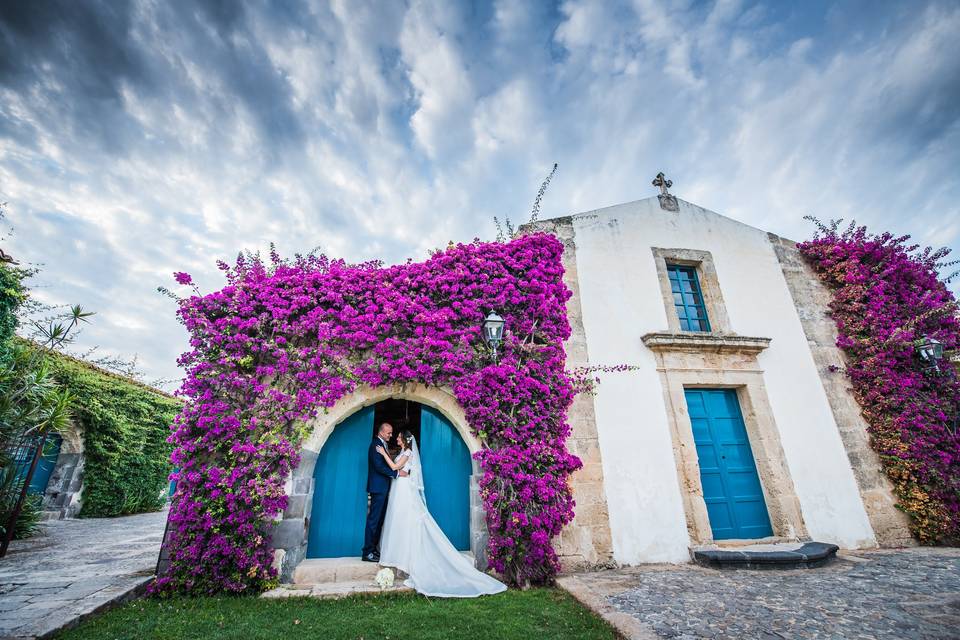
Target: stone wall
pixel 617 279
pixel 585 542
pixel 812 298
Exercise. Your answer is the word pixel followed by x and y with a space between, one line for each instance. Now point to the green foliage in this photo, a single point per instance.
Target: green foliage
pixel 125 427
pixel 535 613
pixel 12 295
pixel 31 401
pixel 28 520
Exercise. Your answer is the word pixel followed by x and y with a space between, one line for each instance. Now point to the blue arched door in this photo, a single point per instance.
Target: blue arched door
pixel 340 490
pixel 446 476
pixel 340 483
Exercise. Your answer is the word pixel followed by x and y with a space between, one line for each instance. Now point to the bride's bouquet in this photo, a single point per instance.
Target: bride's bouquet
pixel 384 578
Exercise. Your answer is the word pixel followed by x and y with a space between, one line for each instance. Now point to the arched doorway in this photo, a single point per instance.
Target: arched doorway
pixel 340 475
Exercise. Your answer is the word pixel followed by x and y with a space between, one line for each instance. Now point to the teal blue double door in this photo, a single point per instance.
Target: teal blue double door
pixel 728 473
pixel 340 484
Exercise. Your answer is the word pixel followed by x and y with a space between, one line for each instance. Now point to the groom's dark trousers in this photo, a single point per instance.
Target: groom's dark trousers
pixel 379 475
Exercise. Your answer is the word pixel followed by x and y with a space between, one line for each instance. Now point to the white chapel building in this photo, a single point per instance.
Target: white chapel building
pixel 733 426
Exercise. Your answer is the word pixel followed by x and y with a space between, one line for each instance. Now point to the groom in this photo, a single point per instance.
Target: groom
pixel 379 475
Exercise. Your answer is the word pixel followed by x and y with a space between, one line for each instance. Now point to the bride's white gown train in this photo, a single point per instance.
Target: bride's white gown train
pixel 413 543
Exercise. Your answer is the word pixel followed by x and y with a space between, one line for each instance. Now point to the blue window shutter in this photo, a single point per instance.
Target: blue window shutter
pixel 688 298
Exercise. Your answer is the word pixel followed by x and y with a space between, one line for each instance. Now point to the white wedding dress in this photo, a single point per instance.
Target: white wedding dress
pixel 413 543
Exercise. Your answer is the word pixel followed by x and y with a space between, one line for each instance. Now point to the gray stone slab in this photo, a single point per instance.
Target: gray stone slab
pixel 884 595
pixel 76 568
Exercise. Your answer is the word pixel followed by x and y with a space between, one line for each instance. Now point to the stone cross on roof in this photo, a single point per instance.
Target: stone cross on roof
pixel 662 182
pixel 668 202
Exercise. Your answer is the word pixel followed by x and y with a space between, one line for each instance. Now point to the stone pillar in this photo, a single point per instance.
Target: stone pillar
pixel 479 536
pixel 62 498
pixel 586 542
pixel 289 538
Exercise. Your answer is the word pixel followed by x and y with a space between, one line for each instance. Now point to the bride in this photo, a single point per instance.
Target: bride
pixel 413 542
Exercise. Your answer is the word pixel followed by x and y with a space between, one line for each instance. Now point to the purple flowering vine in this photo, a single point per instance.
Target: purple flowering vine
pixel 887 295
pixel 285 339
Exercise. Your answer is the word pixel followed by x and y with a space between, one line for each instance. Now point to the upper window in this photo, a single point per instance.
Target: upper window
pixel 687 298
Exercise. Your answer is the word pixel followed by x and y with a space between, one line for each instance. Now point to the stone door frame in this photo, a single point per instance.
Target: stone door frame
pixel 706 361
pixel 292 528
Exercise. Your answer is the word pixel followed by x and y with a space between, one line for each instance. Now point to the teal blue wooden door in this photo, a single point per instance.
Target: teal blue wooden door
pixel 45 465
pixel 731 487
pixel 446 476
pixel 340 489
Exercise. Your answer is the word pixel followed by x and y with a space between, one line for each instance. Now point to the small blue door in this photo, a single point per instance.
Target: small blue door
pixel 45 465
pixel 172 487
pixel 731 487
pixel 340 490
pixel 446 476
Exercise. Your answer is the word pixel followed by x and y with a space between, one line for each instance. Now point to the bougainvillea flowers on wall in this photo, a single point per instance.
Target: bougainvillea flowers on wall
pixel 285 339
pixel 887 295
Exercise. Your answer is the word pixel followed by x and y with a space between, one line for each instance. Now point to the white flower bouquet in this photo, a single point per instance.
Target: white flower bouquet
pixel 384 578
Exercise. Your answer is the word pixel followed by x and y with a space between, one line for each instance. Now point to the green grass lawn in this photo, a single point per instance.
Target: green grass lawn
pixel 539 614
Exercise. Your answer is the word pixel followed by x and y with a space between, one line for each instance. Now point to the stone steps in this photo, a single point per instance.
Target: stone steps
pixel 336 578
pixel 333 590
pixel 314 571
pixel 333 570
pixel 796 555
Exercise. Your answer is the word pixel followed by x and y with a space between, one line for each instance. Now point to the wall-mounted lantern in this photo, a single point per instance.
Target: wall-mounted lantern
pixel 930 351
pixel 493 332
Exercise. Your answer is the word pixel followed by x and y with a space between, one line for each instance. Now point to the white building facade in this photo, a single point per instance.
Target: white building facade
pixel 732 424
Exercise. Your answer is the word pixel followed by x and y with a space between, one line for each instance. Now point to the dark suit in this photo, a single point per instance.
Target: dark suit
pixel 379 475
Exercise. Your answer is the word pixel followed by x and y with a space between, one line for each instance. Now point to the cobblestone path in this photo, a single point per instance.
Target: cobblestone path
pixel 880 595
pixel 74 568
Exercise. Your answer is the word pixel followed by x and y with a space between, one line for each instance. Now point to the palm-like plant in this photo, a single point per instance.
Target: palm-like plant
pixel 32 403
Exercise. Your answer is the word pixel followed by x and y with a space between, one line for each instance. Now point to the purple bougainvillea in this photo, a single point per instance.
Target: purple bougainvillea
pixel 284 340
pixel 886 296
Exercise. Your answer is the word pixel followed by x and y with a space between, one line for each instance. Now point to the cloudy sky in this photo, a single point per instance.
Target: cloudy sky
pixel 142 138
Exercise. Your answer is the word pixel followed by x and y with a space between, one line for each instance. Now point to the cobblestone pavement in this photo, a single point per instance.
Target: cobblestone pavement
pixel 881 595
pixel 73 569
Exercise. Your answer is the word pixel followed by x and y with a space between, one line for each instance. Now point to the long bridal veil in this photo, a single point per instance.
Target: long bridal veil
pixel 414 543
pixel 416 470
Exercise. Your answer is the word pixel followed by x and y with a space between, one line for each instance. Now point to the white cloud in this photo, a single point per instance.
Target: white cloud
pixel 384 130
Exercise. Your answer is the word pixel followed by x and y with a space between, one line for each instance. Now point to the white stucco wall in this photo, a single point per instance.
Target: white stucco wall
pixel 622 301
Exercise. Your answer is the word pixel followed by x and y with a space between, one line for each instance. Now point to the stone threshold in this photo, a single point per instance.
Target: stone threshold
pixel 334 590
pixel 314 571
pixel 796 555
pixel 736 543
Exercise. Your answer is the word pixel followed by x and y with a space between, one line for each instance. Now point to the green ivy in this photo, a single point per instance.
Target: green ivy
pixel 125 427
pixel 12 294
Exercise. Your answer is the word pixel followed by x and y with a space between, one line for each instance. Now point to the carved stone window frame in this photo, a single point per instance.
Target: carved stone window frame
pixel 702 261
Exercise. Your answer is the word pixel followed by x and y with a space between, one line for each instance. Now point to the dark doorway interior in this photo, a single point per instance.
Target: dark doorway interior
pixel 402 414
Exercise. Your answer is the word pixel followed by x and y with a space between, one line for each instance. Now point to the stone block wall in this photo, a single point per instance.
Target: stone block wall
pixel 290 534
pixel 812 298
pixel 586 542
pixel 62 498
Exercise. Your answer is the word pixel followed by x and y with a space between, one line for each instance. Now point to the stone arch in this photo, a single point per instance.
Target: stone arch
pixel 290 535
pixel 438 398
